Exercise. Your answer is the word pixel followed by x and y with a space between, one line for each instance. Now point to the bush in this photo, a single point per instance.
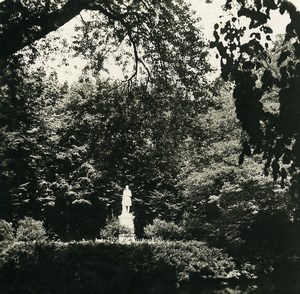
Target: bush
pixel 163 230
pixel 89 267
pixel 30 229
pixel 195 259
pixel 6 231
pixel 113 229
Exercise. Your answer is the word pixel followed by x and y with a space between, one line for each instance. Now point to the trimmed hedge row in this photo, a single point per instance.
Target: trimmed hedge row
pixel 89 267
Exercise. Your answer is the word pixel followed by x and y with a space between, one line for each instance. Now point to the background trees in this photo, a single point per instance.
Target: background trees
pixel 20 124
pixel 68 150
pixel 99 138
pixel 231 205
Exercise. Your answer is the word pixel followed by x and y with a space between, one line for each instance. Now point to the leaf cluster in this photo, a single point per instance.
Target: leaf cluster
pixel 256 73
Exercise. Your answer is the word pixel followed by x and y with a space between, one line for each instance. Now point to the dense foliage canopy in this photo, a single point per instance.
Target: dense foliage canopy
pixel 69 150
pixel 178 140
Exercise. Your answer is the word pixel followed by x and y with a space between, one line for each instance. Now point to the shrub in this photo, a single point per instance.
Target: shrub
pixel 6 231
pixel 195 259
pixel 113 229
pixel 161 229
pixel 30 229
pixel 89 267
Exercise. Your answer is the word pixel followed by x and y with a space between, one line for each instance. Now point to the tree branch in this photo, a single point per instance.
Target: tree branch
pixel 27 30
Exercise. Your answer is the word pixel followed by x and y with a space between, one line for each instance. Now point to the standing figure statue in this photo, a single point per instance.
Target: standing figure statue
pixel 126 200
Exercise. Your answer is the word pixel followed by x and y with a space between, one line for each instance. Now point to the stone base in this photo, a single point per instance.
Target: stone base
pixel 126 220
pixel 126 238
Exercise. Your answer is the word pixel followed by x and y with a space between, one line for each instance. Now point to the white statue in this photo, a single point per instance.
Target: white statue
pixel 126 218
pixel 126 200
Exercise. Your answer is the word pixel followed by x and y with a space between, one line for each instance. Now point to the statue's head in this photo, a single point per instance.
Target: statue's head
pixel 126 187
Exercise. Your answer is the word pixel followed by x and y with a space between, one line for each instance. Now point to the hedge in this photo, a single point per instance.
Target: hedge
pixel 90 267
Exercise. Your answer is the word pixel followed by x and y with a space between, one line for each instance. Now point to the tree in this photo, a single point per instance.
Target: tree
pixel 83 143
pixel 274 134
pixel 20 126
pixel 106 138
pixel 157 32
pixel 231 205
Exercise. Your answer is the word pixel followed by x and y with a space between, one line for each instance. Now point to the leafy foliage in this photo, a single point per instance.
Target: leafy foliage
pixel 113 229
pixel 94 139
pixel 20 126
pixel 6 231
pixel 112 267
pixel 68 151
pixel 156 35
pixel 226 203
pixel 164 230
pixel 30 230
pixel 274 134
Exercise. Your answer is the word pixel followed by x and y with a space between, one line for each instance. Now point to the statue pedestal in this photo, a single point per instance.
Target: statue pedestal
pixel 126 220
pixel 126 238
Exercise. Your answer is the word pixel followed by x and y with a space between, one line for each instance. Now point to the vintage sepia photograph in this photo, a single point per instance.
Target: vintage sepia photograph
pixel 149 146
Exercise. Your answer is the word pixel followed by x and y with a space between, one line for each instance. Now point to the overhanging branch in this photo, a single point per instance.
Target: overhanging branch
pixel 27 30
